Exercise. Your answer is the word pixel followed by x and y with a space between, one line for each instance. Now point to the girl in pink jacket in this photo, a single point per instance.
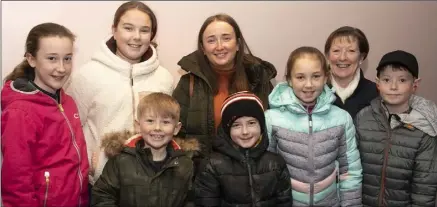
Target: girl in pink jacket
pixel 42 143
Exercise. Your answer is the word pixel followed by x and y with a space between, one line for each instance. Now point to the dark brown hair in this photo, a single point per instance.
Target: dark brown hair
pixel 160 104
pixel 350 33
pixel 139 6
pixel 24 70
pixel 305 51
pixel 239 81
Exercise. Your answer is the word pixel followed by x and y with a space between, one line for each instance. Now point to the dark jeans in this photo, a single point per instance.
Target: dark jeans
pixel 89 193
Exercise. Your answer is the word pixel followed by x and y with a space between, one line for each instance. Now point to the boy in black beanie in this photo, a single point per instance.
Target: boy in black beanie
pixel 241 171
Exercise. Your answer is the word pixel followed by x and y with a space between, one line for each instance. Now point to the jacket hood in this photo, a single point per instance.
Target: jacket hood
pixel 113 143
pixel 283 97
pixel 224 144
pixel 423 114
pixel 256 73
pixel 105 56
pixel 22 89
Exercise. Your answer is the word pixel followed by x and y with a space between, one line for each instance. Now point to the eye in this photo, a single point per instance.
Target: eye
pixel 166 122
pixel 68 59
pixel 234 125
pixel 227 38
pixel 335 50
pixel 300 77
pixel 352 51
pixel 317 76
pixel 385 80
pixel 210 41
pixel 149 120
pixel 145 30
pixel 128 28
pixel 51 58
pixel 252 122
pixel 403 80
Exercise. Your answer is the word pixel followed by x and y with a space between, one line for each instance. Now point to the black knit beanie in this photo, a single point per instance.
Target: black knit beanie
pixel 241 104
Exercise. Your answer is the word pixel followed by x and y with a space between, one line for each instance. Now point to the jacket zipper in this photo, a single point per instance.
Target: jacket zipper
pixel 133 97
pixel 384 167
pixel 252 193
pixel 79 173
pixel 311 157
pixel 46 194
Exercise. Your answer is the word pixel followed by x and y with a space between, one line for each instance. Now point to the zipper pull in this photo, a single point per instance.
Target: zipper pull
pixel 60 107
pixel 47 175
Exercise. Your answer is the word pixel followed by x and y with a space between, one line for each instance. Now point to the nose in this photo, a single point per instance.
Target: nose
pixel 343 55
pixel 157 126
pixel 219 45
pixel 308 83
pixel 137 35
pixel 245 131
pixel 393 85
pixel 61 67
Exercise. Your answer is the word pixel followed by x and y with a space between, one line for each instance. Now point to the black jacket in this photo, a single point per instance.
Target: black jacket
pixel 129 178
pixel 242 177
pixel 365 92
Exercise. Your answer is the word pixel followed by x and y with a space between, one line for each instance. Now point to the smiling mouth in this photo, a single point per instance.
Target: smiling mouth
pixel 58 77
pixel 134 45
pixel 343 65
pixel 221 55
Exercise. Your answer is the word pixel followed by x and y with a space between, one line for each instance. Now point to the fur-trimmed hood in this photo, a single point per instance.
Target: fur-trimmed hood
pixel 113 143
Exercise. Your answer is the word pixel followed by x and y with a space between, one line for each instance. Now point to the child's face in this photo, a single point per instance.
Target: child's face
pixel 245 131
pixel 53 62
pixel 157 131
pixel 396 86
pixel 132 35
pixel 307 79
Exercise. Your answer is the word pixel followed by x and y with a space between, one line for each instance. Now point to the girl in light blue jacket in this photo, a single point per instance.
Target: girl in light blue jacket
pixel 316 138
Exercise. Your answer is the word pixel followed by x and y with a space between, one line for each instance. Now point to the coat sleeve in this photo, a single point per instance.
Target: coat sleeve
pixel 182 94
pixel 19 133
pixel 424 182
pixel 283 191
pixel 350 169
pixel 272 140
pixel 207 187
pixel 106 191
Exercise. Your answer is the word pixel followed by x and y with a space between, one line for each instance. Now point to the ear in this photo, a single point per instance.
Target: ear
pixel 137 127
pixel 362 58
pixel 377 82
pixel 416 84
pixel 114 29
pixel 31 60
pixel 177 128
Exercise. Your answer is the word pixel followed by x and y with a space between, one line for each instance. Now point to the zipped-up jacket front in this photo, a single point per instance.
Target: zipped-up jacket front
pixel 44 154
pixel 318 147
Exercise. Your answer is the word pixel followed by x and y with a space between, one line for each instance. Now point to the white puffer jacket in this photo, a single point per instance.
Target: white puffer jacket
pixel 107 90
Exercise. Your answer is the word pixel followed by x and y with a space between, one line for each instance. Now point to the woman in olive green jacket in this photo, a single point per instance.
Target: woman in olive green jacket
pixel 216 69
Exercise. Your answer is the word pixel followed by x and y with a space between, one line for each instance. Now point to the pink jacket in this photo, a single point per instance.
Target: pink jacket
pixel 44 154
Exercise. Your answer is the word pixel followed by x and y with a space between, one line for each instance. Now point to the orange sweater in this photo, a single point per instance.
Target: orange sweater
pixel 223 78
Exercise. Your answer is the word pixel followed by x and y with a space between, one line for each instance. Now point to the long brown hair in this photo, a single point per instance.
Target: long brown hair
pixel 239 81
pixel 24 70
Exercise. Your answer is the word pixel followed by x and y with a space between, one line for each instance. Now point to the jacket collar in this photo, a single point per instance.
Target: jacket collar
pixel 107 57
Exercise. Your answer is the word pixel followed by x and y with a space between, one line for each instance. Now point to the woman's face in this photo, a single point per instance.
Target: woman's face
pixel 220 45
pixel 344 57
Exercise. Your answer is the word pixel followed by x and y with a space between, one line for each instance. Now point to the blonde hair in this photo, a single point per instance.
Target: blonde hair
pixel 160 104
